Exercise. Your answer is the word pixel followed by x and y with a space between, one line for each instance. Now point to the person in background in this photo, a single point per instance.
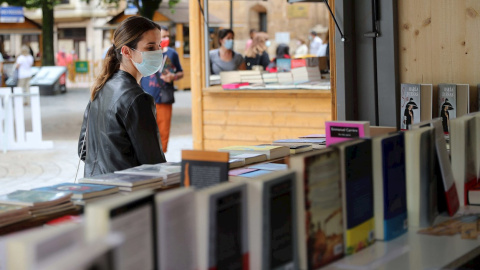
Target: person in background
pixel 24 65
pixel 315 43
pixel 122 132
pixel 161 83
pixel 224 58
pixel 249 42
pixel 1 69
pixel 282 52
pixel 257 54
pixel 302 48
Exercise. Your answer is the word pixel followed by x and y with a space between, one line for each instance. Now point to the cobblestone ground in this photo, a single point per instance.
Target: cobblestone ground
pixel 61 121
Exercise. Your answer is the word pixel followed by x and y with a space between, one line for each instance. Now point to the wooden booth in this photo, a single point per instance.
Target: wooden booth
pixel 247 117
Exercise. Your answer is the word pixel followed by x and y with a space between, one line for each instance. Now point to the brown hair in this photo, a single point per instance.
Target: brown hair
pixel 128 33
pixel 258 45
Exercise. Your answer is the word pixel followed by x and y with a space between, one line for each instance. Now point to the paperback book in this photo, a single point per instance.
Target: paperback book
pixel 447 100
pixel 339 131
pixel 410 105
pixel 82 191
pixel 202 169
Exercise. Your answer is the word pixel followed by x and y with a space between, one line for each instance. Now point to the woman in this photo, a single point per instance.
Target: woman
pixel 24 65
pixel 224 58
pixel 119 130
pixel 257 54
pixel 302 48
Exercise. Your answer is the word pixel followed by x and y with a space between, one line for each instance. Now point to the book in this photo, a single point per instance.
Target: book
pixel 357 194
pixel 415 104
pixel 131 215
pixel 8 210
pixel 296 148
pixel 230 77
pixel 251 174
pixel 447 101
pixel 462 151
pixel 474 195
pixel 421 181
pixel 237 172
pixel 121 180
pixel 319 207
pixel 389 186
pixel 35 198
pixel 249 158
pixel 82 191
pixel 168 171
pixel 202 169
pixel 476 142
pixel 176 229
pixel 284 65
pixel 272 221
pixel 447 190
pixel 27 249
pixel 271 151
pixel 269 166
pixel 339 131
pixel 154 185
pixel 235 163
pixel 222 227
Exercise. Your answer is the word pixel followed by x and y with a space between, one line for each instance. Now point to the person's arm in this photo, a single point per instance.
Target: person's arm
pixel 82 147
pixel 265 60
pixel 242 65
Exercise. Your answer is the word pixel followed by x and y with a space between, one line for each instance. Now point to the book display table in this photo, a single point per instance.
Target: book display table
pixel 250 117
pixel 412 251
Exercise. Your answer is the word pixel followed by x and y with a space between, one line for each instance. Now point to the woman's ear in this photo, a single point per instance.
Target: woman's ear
pixel 126 52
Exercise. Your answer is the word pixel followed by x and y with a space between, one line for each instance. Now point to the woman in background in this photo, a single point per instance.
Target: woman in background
pixel 257 54
pixel 24 64
pixel 119 130
pixel 224 58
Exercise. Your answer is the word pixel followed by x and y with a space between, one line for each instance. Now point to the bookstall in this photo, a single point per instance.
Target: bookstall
pixel 248 117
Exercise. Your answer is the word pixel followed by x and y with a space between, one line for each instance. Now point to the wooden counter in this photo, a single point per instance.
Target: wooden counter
pixel 249 117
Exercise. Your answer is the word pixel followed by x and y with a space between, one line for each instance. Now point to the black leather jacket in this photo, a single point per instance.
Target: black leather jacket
pixel 122 131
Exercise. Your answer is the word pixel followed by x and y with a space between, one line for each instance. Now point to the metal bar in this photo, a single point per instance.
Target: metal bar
pixel 336 23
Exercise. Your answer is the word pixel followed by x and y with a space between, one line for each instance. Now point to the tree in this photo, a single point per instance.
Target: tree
pixel 48 58
pixel 145 8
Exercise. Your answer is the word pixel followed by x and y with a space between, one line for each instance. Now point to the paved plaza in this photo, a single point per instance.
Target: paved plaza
pixel 61 122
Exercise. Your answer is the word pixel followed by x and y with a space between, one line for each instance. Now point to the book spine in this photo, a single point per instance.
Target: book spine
pixel 359 237
pixel 395 227
pixel 452 200
pixel 468 185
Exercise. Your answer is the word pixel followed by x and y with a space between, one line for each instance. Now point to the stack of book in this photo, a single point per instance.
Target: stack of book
pixel 285 77
pixel 215 79
pixel 251 76
pixel 229 77
pixel 271 151
pixel 10 214
pixel 306 74
pixel 270 78
pixel 249 158
pixel 169 171
pixel 39 202
pixel 83 193
pixel 125 182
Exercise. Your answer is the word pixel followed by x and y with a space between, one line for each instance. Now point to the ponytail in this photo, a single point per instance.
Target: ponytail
pixel 111 64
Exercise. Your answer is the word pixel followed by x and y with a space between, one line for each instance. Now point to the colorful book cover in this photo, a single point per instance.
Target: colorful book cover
pixel 284 65
pixel 204 168
pixel 339 131
pixel 447 101
pixel 80 190
pixel 32 197
pixel 119 179
pixel 394 187
pixel 409 105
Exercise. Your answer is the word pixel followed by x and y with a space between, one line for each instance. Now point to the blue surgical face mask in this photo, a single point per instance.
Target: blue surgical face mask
pixel 268 43
pixel 228 44
pixel 152 61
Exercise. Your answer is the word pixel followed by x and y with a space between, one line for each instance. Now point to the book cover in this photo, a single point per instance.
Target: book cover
pixel 357 194
pixel 269 166
pixel 409 105
pixel 339 131
pixel 319 202
pixel 447 101
pixel 272 221
pixel 160 170
pixel 202 169
pixel 118 179
pixel 222 226
pixel 270 151
pixel 389 178
pixel 82 191
pixel 447 190
pixel 302 140
pixel 249 158
pixel 35 197
pixel 284 65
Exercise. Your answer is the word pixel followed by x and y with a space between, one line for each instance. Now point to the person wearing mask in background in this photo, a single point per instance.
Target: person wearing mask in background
pixel 122 132
pixel 160 86
pixel 257 54
pixel 224 58
pixel 249 42
pixel 302 48
pixel 282 52
pixel 24 64
pixel 315 43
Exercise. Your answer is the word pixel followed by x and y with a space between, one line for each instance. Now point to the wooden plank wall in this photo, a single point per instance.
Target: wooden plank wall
pixel 440 43
pixel 255 118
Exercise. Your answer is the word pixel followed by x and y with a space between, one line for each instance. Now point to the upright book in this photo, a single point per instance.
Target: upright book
pixel 447 189
pixel 133 215
pixel 421 181
pixel 272 221
pixel 176 229
pixel 415 104
pixel 319 204
pixel 447 101
pixel 389 178
pixel 202 169
pixel 357 194
pixel 222 226
pixel 339 131
pixel 462 150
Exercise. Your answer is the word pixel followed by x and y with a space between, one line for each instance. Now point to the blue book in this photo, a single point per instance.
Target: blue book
pixel 390 189
pixel 82 191
pixel 284 65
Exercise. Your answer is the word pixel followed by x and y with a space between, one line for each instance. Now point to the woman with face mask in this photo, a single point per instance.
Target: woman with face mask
pixel 224 58
pixel 119 130
pixel 257 54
